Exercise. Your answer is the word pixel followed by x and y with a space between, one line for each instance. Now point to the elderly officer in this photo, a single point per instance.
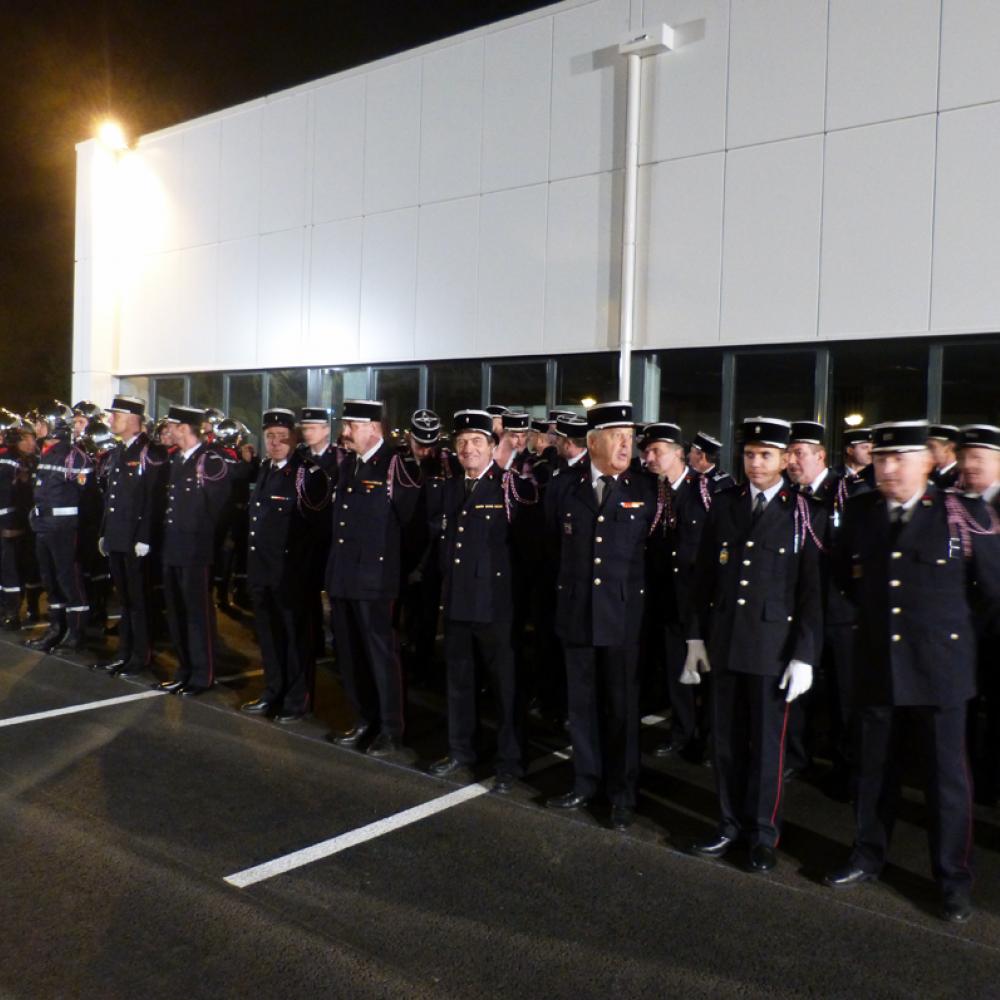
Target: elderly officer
pixel 196 494
pixel 475 546
pixel 979 465
pixel 704 456
pixel 942 441
pixel 599 515
pixel 136 483
pixel 908 553
pixel 758 607
pixel 287 486
pixel 63 475
pixel 682 506
pixel 374 498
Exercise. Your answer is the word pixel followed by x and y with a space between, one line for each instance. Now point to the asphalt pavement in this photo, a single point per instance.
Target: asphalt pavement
pixel 130 821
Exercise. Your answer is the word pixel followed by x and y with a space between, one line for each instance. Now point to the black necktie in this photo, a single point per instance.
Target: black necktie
pixel 807 491
pixel 357 465
pixel 760 502
pixel 470 485
pixel 602 493
pixel 896 523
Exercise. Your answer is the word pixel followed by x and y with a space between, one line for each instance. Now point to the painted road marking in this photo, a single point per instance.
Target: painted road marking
pixel 17 720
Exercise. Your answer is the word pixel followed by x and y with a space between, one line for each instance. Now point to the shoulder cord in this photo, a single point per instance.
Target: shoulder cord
pixel 145 460
pixel 446 472
pixel 205 477
pixel 804 526
pixel 300 492
pixel 965 525
pixel 72 469
pixel 706 495
pixel 397 470
pixel 510 494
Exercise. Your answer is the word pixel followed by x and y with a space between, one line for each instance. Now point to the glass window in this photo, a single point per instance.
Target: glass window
pixel 874 381
pixel 288 388
pixel 770 384
pixel 520 385
pixel 968 392
pixel 691 390
pixel 169 392
pixel 586 376
pixel 454 386
pixel 136 385
pixel 399 390
pixel 246 400
pixel 338 384
pixel 206 390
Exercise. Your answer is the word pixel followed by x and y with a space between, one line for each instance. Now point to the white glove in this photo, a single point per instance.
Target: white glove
pixel 798 678
pixel 101 548
pixel 141 549
pixel 696 662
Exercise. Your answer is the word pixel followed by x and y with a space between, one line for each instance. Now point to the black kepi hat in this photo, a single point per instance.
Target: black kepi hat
pixel 571 426
pixel 980 436
pixel 542 426
pixel 808 432
pixel 661 430
pixel 706 443
pixel 496 410
pixel 362 411
pixel 604 415
pixel 480 421
pixel 128 404
pixel 515 421
pixel 943 432
pixel 425 427
pixel 900 435
pixel 856 435
pixel 191 415
pixel 766 430
pixel 278 417
pixel 314 415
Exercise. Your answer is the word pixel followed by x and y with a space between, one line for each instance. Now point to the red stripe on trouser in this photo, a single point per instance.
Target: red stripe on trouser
pixel 781 769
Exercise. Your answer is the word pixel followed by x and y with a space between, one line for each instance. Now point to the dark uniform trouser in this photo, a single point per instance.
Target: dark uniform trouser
pixel 281 619
pixel 602 685
pixel 11 571
pixel 947 787
pixel 490 643
pixel 191 620
pixel 62 576
pixel 749 719
pixel 368 662
pixel 131 579
pixel 683 711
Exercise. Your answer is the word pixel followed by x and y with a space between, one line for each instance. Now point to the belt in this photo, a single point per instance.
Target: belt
pixel 56 511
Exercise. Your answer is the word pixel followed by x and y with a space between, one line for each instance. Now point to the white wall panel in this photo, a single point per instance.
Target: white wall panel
pixel 583 264
pixel 199 214
pixel 966 292
pixel 451 122
pixel 284 191
pixel 883 60
pixel 282 270
pixel 392 137
pixel 236 332
pixel 83 304
pixel 331 336
pixel 777 70
pixel 679 252
pixel 512 234
pixel 149 315
pixel 878 195
pixel 684 107
pixel 339 149
pixel 162 172
pixel 770 255
pixel 588 89
pixel 197 308
pixel 388 285
pixel 970 52
pixel 516 96
pixel 446 278
pixel 240 175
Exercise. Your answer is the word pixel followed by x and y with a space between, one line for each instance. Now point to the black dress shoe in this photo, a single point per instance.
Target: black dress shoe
pixel 352 737
pixel 445 766
pixel 192 690
pixel 171 687
pixel 131 670
pixel 289 718
pixel 715 847
pixel 621 817
pixel 667 749
pixel 503 783
pixel 72 642
pixel 571 800
pixel 956 907
pixel 108 666
pixel 383 745
pixel 848 877
pixel 46 642
pixel 257 707
pixel 762 859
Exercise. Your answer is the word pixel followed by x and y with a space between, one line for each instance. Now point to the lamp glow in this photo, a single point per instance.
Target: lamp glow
pixel 587 402
pixel 854 420
pixel 111 135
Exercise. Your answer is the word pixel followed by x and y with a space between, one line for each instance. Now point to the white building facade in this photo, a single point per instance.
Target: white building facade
pixel 818 223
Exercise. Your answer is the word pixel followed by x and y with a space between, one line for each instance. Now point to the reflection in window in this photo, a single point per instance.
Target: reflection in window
pixel 873 381
pixel 520 386
pixel 169 392
pixel 586 376
pixel 287 389
pixel 691 390
pixel 399 390
pixel 246 400
pixel 206 390
pixel 968 391
pixel 454 386
pixel 338 384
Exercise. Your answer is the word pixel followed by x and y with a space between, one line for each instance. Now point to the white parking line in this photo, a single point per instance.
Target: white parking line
pixel 17 720
pixel 327 848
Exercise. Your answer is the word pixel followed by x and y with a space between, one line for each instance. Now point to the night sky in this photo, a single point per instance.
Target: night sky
pixel 149 64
